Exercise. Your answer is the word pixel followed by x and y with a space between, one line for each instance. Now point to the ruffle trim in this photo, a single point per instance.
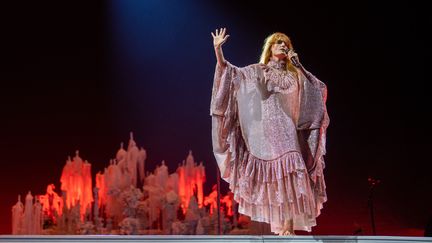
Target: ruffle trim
pixel 272 191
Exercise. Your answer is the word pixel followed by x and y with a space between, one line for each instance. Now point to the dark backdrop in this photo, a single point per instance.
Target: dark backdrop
pixel 82 75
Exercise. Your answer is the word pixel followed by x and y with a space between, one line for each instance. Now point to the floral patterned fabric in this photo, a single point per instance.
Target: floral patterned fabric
pixel 268 131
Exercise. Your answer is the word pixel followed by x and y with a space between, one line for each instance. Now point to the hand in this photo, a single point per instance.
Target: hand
pixel 293 57
pixel 219 37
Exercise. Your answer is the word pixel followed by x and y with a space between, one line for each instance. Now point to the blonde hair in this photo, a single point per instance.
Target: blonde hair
pixel 266 50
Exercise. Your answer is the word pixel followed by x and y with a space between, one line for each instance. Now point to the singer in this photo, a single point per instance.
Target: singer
pixel 269 124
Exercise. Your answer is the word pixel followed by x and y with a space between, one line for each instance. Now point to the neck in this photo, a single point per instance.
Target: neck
pixel 277 59
pixel 277 63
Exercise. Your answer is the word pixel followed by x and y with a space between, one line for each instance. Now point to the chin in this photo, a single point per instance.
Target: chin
pixel 281 56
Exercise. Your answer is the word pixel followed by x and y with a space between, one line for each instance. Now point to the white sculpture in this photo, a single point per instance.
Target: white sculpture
pixel 142 156
pixel 169 214
pixel 211 200
pixel 117 198
pixel 132 161
pixel 192 216
pixel 190 180
pixel 162 175
pixel 28 215
pixel 17 216
pixel 76 181
pixel 37 218
pixel 129 226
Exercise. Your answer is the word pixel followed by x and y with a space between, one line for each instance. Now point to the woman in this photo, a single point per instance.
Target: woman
pixel 268 128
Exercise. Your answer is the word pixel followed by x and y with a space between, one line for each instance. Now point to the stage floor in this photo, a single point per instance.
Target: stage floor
pixel 204 239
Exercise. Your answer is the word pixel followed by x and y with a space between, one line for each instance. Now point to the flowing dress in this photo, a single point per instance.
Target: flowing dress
pixel 269 142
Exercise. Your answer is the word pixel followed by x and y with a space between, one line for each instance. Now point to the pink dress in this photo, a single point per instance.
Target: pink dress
pixel 269 142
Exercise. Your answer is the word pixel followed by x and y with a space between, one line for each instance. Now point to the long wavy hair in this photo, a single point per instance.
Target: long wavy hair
pixel 266 50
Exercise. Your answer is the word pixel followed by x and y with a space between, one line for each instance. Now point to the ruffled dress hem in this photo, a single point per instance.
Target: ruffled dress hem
pixel 273 191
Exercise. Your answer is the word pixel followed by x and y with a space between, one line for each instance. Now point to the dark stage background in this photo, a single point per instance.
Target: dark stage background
pixel 82 75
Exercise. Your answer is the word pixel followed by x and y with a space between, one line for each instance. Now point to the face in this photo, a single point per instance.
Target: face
pixel 279 49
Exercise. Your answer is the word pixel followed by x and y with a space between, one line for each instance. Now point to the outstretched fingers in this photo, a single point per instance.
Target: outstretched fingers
pixel 225 38
pixel 219 37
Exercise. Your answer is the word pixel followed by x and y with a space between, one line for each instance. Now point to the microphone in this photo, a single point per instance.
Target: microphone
pixel 294 59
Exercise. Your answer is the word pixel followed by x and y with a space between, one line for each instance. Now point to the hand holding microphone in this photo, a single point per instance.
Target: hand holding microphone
pixel 293 57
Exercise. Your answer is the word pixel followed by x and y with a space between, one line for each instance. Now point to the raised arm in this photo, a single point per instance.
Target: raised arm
pixel 219 38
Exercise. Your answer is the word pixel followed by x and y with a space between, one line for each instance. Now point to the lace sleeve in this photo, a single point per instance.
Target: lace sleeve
pixel 226 136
